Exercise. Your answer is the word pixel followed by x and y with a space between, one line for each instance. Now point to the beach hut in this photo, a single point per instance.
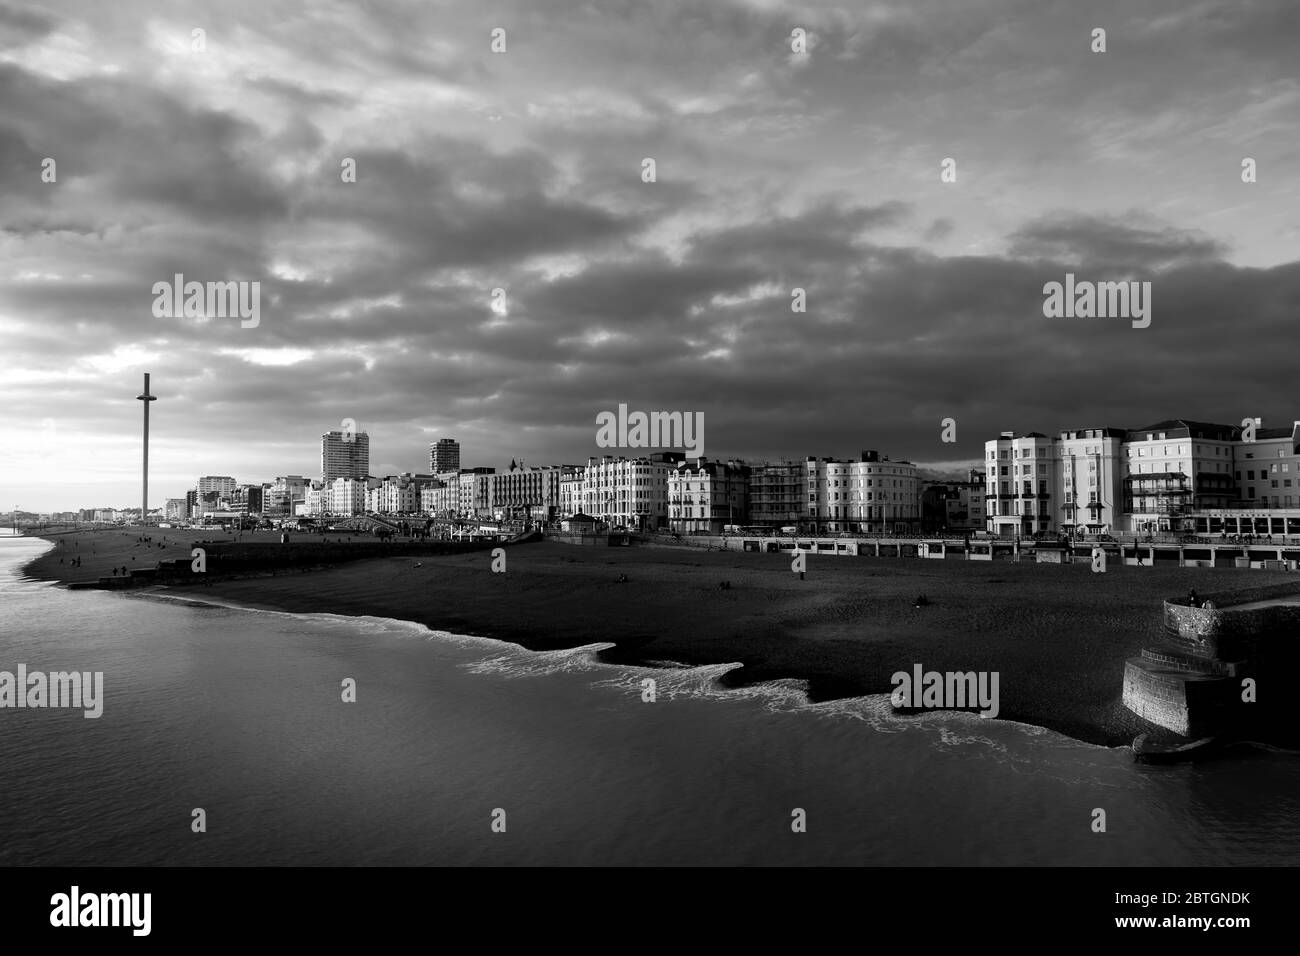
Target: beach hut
pixel 579 524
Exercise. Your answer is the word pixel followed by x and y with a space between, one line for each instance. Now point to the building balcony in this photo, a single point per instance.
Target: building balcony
pixel 1156 487
pixel 1157 476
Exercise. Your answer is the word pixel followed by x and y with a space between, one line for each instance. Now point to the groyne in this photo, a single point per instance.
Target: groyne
pixel 1224 667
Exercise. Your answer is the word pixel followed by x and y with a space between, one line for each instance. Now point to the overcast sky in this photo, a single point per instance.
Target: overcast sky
pixel 523 170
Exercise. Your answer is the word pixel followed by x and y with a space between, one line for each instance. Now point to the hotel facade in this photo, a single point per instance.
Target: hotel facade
pixel 631 492
pixel 529 492
pixel 1175 476
pixel 870 495
pixel 705 496
pixel 344 455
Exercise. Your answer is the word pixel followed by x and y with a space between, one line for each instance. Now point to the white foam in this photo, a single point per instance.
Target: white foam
pixel 519 662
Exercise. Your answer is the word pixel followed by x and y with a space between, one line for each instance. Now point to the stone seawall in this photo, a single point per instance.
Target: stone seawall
pixel 1188 704
pixel 1220 631
pixel 1196 682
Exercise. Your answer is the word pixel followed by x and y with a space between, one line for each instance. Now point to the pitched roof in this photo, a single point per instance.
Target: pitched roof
pixel 1264 433
pixel 1185 428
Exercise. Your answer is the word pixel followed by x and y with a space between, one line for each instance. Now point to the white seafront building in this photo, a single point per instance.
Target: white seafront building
pixel 629 492
pixel 873 494
pixel 1176 476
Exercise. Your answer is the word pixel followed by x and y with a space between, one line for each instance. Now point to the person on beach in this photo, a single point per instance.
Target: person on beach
pixel 1191 598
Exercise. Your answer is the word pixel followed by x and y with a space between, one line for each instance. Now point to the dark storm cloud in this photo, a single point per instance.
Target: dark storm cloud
pixel 462 205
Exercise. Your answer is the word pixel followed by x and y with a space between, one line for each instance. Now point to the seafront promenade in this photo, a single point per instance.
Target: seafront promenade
pixel 1130 550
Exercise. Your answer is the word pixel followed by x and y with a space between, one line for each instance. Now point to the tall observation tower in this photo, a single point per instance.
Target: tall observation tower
pixel 144 496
